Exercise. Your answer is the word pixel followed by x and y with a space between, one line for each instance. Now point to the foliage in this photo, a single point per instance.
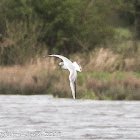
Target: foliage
pixel 40 78
pixel 28 27
pixel 21 44
pixel 65 26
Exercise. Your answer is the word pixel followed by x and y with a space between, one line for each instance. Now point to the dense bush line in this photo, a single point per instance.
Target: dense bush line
pixel 28 27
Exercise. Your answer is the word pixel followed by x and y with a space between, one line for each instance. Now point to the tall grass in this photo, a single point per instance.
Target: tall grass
pixel 115 89
pixel 28 79
pixel 106 60
pixel 43 76
pixel 20 42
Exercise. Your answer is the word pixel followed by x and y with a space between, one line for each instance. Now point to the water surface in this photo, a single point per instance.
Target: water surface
pixel 44 117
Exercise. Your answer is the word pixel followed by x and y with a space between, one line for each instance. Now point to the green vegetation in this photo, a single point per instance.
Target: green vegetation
pixel 40 78
pixel 29 27
pixel 103 36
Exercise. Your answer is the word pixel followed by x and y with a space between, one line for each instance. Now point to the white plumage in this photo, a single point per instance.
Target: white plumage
pixel 73 68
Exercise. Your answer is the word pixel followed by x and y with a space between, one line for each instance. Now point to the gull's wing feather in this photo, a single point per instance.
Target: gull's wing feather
pixel 72 78
pixel 63 58
pixel 73 88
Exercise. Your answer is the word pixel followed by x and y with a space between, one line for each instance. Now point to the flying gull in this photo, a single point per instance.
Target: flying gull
pixel 73 68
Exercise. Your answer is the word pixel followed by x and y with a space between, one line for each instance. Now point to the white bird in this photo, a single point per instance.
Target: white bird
pixel 73 68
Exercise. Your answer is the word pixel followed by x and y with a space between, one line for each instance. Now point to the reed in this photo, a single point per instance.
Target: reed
pixel 43 76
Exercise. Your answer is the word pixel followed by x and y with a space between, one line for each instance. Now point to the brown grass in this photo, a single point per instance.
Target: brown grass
pixel 43 76
pixel 127 88
pixel 40 76
pixel 28 76
pixel 102 59
pixel 106 60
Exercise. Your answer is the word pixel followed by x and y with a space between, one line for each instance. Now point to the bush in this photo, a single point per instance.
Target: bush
pixel 63 26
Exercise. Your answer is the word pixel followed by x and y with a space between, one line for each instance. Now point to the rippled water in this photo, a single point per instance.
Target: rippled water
pixel 44 117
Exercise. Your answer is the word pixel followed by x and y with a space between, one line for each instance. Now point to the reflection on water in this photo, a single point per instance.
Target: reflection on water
pixel 44 117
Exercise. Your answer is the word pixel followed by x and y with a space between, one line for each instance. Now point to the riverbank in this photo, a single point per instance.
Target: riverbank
pixel 101 81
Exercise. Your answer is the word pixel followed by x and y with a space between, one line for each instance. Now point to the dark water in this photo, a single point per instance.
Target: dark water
pixel 45 117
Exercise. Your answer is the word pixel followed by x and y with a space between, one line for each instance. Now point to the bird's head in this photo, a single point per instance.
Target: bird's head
pixel 77 67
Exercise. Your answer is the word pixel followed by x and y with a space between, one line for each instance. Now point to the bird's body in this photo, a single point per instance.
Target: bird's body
pixel 73 68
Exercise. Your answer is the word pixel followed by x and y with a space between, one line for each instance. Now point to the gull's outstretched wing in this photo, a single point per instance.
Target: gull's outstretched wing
pixel 73 88
pixel 63 58
pixel 67 62
pixel 72 78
